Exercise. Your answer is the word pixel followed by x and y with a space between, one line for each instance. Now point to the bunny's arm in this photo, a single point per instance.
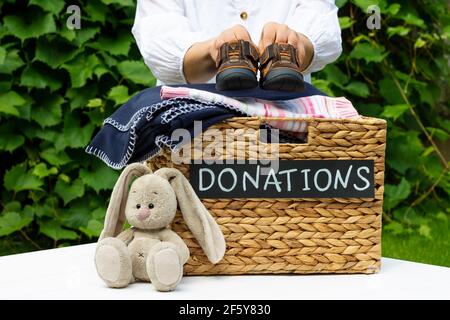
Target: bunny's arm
pixel 182 249
pixel 126 236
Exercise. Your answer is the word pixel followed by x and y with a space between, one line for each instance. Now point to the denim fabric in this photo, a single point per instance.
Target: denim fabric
pixel 142 126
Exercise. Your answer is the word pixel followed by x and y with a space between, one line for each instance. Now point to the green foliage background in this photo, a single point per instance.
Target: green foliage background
pixel 57 85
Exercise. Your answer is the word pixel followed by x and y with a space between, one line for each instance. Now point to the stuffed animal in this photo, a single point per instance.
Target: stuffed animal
pixel 150 250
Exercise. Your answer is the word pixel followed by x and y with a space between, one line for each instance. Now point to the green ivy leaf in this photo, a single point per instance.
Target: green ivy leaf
pixel 54 157
pixel 54 52
pixel 52 6
pixel 75 135
pixel 137 72
pixel 9 101
pixel 81 69
pixel 11 62
pixel 119 44
pixel 335 75
pixel 34 24
pixel 53 230
pixel 18 179
pixel 394 111
pixel 79 97
pixel 48 112
pixel 394 194
pixel 358 88
pixel 13 221
pixel 346 22
pixel 40 76
pixel 118 94
pixel 84 34
pixel 69 192
pixel 97 11
pixel 41 170
pixel 389 91
pixel 100 177
pixel 94 103
pixel 368 53
pixel 10 141
pixel 93 228
pixel 399 30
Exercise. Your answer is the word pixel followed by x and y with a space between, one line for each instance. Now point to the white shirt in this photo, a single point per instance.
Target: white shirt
pixel 166 29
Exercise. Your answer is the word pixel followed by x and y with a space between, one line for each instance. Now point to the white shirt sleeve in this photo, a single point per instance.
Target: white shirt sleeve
pixel 163 35
pixel 318 21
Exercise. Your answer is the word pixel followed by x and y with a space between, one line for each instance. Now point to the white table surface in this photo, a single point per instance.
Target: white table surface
pixel 69 273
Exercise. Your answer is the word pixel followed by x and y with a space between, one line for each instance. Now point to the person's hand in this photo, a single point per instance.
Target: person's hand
pixel 238 32
pixel 280 33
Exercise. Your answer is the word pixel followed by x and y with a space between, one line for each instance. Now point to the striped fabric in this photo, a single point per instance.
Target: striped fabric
pixel 305 107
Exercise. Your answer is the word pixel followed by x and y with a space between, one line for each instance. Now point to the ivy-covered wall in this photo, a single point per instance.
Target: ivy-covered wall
pixel 57 85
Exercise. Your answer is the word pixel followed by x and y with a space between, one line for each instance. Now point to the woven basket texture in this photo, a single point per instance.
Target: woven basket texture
pixel 302 235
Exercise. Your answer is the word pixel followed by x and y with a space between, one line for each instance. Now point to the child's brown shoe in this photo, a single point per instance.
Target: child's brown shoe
pixel 238 64
pixel 280 68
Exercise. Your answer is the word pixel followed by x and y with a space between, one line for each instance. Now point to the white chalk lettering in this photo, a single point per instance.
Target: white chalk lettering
pixel 254 181
pixel 233 174
pixel 200 173
pixel 274 182
pixel 288 175
pixel 305 172
pixel 316 176
pixel 367 183
pixel 339 179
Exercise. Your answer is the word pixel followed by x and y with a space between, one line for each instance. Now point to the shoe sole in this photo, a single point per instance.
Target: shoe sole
pixel 236 79
pixel 284 79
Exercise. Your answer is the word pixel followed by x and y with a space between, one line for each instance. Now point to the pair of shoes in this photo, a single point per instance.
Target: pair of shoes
pixel 278 64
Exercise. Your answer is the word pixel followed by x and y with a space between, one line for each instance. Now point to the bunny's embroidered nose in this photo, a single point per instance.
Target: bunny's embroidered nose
pixel 143 214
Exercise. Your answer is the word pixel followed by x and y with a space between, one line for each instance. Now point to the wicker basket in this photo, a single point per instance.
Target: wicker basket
pixel 305 235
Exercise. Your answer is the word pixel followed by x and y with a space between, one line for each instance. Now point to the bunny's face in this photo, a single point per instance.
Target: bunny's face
pixel 151 203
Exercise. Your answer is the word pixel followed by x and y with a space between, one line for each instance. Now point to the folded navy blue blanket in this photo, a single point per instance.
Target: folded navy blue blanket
pixel 142 126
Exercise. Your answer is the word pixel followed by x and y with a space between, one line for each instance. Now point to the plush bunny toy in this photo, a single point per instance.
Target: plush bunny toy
pixel 149 250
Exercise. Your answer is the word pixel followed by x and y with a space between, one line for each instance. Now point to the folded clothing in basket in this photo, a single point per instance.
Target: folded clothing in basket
pixel 142 126
pixel 314 106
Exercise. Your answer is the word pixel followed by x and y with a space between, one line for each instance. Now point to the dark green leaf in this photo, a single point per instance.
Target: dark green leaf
pixel 368 52
pixel 40 76
pixel 71 191
pixel 81 69
pixel 137 72
pixel 9 101
pixel 35 24
pixel 48 113
pixel 394 194
pixel 13 221
pixel 100 177
pixel 52 6
pixel 10 141
pixel 54 52
pixel 18 179
pixel 357 88
pixel 53 230
pixel 118 94
pixel 395 111
pixel 11 63
pixel 54 157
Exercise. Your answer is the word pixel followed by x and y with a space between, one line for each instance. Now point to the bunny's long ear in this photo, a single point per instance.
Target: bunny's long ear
pixel 115 214
pixel 198 219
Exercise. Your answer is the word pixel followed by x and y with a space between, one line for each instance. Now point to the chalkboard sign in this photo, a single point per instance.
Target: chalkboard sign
pixel 286 179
